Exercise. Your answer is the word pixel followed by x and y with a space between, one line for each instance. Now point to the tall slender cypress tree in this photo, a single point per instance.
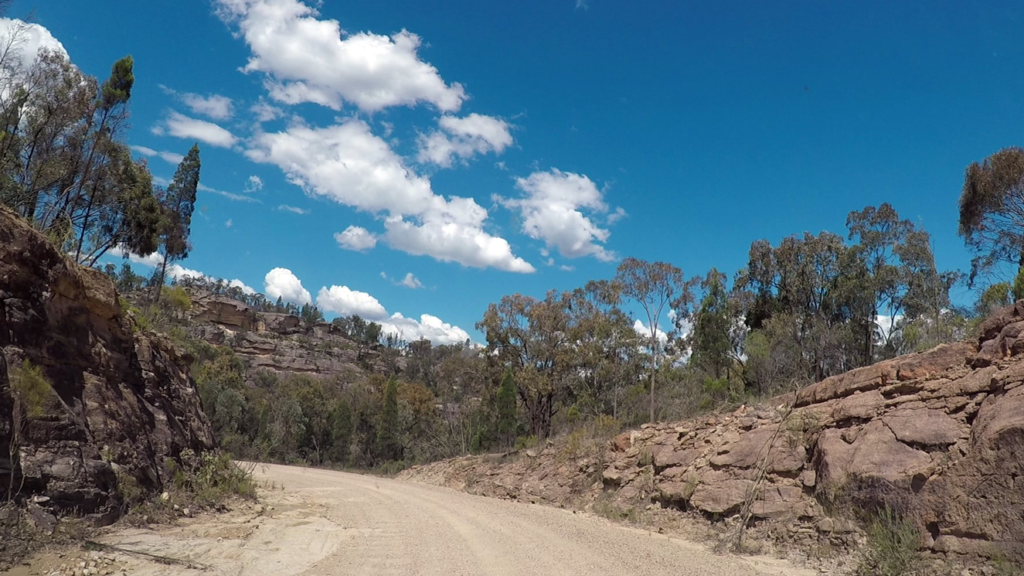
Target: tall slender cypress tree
pixel 178 203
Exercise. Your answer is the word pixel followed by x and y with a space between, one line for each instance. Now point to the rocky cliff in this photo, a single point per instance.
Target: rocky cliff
pixel 113 404
pixel 280 343
pixel 937 436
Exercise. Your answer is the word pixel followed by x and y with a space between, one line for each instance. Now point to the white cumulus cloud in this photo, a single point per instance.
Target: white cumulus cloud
pixel 552 209
pixel 356 238
pixel 212 106
pixel 411 281
pixel 463 138
pixel 265 112
pixel 350 165
pixel 180 126
pixel 309 59
pixel 239 284
pixel 427 327
pixel 25 41
pixel 169 157
pixel 645 331
pixel 282 283
pixel 253 184
pixel 342 300
pixel 345 163
pixel 449 239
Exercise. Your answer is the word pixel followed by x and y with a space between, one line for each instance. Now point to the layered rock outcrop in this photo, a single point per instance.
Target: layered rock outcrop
pixel 937 436
pixel 116 404
pixel 280 343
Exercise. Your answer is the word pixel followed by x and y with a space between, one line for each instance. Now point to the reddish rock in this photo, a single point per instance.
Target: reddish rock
pixel 777 501
pixel 858 380
pixel 621 443
pixel 860 406
pixel 677 493
pixel 670 457
pixel 983 493
pixel 718 493
pixel 875 453
pixel 785 454
pixel 934 362
pixel 926 427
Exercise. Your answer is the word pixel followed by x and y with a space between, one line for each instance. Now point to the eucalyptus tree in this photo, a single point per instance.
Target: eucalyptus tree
pixel 801 286
pixel 110 114
pixel 655 287
pixel 178 202
pixel 711 343
pixel 531 337
pixel 606 348
pixel 992 210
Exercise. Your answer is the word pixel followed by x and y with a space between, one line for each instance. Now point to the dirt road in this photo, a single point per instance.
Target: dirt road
pixel 319 522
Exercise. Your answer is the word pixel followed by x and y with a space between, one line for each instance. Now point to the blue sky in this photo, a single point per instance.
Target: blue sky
pixel 489 148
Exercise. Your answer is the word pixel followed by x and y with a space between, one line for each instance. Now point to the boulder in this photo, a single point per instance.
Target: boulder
pixel 785 454
pixel 718 493
pixel 222 310
pixel 671 457
pixel 925 427
pixel 876 453
pixel 279 323
pixel 982 495
pixel 934 362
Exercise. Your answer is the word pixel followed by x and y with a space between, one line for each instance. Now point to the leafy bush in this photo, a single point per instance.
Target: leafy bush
pixel 32 389
pixel 178 298
pixel 574 445
pixel 211 477
pixel 526 442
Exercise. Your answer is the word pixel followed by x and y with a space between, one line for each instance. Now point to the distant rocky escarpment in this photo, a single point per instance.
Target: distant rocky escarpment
pixel 283 344
pixel 937 436
pixel 87 403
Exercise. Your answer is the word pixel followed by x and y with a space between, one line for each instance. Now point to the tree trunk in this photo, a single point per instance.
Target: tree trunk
pixel 654 366
pixel 159 288
pixel 85 225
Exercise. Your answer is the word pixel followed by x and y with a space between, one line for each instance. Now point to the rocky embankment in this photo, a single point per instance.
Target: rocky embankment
pixel 279 343
pixel 115 404
pixel 937 436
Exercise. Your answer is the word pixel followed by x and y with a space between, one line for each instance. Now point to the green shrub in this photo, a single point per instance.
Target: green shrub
pixel 646 458
pixel 892 546
pixel 574 445
pixel 178 335
pixel 605 426
pixel 32 389
pixel 178 298
pixel 526 442
pixel 211 478
pixel 143 322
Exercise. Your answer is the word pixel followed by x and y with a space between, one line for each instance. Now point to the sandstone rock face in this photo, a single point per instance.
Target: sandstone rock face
pixel 939 436
pixel 119 401
pixel 223 311
pixel 280 343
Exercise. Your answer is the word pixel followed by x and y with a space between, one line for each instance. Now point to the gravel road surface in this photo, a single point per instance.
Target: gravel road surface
pixel 319 522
